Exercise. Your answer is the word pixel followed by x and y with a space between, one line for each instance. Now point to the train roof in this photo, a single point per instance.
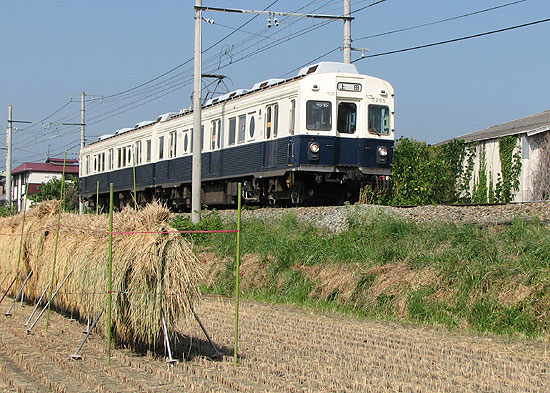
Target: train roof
pixel 328 67
pixel 318 68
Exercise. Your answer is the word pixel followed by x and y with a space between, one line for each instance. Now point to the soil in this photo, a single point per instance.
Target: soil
pixel 281 349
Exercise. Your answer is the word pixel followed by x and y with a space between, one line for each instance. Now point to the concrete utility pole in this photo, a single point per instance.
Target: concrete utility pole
pixel 82 119
pixel 197 167
pixel 82 140
pixel 197 143
pixel 8 157
pixel 347 32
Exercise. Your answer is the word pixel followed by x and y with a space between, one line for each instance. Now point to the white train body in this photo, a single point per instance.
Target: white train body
pixel 316 137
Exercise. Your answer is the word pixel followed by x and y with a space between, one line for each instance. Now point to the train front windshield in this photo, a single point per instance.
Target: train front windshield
pixel 319 115
pixel 379 119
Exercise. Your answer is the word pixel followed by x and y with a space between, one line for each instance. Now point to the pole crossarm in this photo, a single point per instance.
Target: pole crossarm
pixel 278 13
pixel 22 121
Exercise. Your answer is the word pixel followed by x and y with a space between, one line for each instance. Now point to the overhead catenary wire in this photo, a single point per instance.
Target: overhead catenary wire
pixel 439 21
pixel 405 29
pixel 453 40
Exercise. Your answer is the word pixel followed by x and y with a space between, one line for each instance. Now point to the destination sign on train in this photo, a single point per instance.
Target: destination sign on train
pixel 345 86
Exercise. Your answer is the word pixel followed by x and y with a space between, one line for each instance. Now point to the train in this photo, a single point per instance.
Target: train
pixel 315 138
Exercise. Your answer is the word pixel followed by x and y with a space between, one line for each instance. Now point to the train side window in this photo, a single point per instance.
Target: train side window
pixel 173 144
pixel 292 117
pixel 137 152
pixel 148 149
pixel 242 128
pixel 232 129
pixel 95 164
pixel 185 142
pixel 203 142
pixel 102 162
pixel 130 156
pixel 268 123
pixel 119 158
pixel 347 117
pixel 275 120
pixel 251 126
pixel 319 115
pixel 214 133
pixel 379 119
pixel 110 159
pixel 123 157
pixel 161 147
pixel 87 166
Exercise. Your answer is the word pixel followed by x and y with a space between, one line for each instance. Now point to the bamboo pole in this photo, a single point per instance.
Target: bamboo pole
pixel 97 198
pixel 134 173
pixel 110 276
pixel 61 205
pixel 238 262
pixel 21 235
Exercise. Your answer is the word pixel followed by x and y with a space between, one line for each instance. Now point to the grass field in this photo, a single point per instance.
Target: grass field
pixel 484 278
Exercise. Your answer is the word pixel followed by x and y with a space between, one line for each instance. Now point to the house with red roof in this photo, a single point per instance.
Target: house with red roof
pixel 34 174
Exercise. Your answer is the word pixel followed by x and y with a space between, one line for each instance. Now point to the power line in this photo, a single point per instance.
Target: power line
pixel 439 21
pixel 405 29
pixel 174 86
pixel 184 63
pixel 454 40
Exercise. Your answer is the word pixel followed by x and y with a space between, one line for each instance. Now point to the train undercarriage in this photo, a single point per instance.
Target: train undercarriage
pixel 289 189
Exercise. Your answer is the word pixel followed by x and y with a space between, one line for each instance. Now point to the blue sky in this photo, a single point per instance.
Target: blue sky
pixel 52 51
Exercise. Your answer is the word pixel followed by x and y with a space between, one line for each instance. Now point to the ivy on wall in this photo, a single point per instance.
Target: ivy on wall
pixel 425 174
pixel 510 164
pixel 481 192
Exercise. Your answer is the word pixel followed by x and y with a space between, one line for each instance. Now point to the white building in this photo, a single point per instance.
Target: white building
pixel 531 132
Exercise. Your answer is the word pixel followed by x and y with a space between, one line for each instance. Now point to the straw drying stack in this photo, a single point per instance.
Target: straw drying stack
pixel 152 275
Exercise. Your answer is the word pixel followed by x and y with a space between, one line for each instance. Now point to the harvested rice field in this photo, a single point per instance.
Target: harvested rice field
pixel 282 349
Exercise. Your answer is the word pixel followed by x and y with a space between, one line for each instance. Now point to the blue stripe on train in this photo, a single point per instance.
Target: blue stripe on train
pixel 245 160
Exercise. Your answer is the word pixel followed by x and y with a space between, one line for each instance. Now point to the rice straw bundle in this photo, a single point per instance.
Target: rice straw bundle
pixel 154 274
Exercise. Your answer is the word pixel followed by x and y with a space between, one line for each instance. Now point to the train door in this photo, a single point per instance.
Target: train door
pixel 347 148
pixel 291 131
pixel 271 131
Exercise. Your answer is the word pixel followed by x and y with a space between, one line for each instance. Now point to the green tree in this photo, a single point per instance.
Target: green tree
pixel 52 190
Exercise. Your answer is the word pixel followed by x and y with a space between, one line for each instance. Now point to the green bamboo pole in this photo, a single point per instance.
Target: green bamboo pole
pixel 110 276
pixel 134 169
pixel 97 198
pixel 238 263
pixel 21 236
pixel 61 205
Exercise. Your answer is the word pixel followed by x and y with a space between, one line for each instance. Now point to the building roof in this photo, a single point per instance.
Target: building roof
pixel 52 165
pixel 59 161
pixel 530 125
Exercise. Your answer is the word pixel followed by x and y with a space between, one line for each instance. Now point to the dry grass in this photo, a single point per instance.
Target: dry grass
pixel 153 274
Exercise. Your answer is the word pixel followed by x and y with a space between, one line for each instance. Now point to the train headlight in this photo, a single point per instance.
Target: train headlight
pixel 382 151
pixel 314 147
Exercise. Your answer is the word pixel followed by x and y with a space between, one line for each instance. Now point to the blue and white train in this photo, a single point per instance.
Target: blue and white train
pixel 314 138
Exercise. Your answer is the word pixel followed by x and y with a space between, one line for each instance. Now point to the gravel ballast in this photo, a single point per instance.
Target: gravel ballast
pixel 334 218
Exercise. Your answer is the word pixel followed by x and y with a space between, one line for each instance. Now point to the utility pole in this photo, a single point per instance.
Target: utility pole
pixel 347 32
pixel 82 140
pixel 82 119
pixel 8 157
pixel 197 167
pixel 196 173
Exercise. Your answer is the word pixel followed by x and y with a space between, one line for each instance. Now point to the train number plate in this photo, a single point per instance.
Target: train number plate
pixel 346 86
